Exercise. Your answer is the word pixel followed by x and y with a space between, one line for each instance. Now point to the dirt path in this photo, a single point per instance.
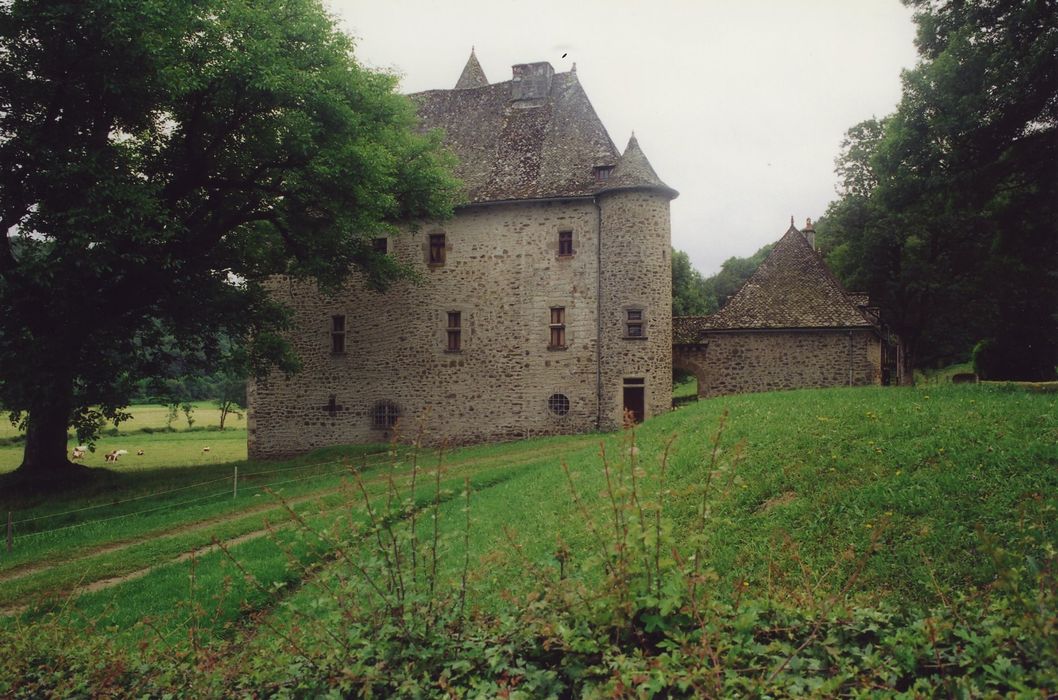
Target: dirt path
pixel 451 468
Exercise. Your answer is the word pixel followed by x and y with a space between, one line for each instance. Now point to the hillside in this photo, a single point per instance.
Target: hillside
pixel 893 499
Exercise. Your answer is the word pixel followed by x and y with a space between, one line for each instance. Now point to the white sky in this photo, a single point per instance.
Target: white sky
pixel 740 105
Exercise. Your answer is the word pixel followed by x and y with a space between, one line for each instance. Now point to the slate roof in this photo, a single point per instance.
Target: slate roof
pixel 792 288
pixel 528 149
pixel 472 76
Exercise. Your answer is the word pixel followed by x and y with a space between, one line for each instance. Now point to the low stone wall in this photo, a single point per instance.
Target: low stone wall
pixel 735 362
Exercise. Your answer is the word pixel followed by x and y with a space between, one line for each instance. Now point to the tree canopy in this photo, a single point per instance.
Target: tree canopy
pixel 159 159
pixel 948 212
pixel 695 295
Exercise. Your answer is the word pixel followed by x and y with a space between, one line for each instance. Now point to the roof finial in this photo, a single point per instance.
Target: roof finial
pixel 574 68
pixel 791 220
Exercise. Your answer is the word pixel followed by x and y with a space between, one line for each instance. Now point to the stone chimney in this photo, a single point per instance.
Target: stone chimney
pixel 810 233
pixel 531 81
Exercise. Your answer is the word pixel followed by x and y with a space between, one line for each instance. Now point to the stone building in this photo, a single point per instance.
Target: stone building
pixel 544 305
pixel 791 325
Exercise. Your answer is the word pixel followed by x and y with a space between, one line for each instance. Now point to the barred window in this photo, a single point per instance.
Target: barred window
pixel 337 335
pixel 380 245
pixel 558 328
pixel 385 415
pixel 455 331
pixel 558 404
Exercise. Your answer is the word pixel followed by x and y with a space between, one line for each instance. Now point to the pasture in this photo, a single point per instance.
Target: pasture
pixel 884 498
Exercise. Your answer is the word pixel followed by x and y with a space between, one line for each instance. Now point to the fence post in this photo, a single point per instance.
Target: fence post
pixel 10 527
pixel 235 483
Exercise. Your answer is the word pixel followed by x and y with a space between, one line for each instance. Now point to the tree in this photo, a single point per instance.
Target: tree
pixel 159 159
pixel 949 214
pixel 232 397
pixel 688 288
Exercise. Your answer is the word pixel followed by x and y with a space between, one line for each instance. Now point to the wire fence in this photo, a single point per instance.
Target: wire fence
pixel 234 493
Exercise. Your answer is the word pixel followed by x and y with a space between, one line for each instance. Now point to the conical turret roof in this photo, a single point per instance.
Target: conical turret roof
pixel 633 171
pixel 472 76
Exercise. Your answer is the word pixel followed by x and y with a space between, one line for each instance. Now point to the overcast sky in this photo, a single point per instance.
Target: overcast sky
pixel 739 104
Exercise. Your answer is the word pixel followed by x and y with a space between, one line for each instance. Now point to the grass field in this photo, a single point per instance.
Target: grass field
pixel 160 449
pixel 805 483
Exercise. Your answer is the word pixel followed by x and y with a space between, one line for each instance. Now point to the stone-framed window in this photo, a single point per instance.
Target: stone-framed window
pixel 558 404
pixel 635 323
pixel 338 334
pixel 380 245
pixel 385 415
pixel 454 332
pixel 437 253
pixel 565 244
pixel 557 328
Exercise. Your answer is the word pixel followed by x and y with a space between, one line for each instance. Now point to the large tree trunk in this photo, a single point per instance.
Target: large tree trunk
pixel 44 459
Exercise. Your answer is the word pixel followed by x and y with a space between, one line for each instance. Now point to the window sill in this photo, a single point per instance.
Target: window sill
pixel 570 256
pixel 552 348
pixel 454 352
pixel 434 266
pixel 634 337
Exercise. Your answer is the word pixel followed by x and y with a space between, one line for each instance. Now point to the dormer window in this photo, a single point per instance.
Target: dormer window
pixel 602 172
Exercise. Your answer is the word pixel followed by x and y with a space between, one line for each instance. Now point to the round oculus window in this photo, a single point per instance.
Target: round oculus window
pixel 558 404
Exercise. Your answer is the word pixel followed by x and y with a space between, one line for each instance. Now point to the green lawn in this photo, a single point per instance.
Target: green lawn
pixel 154 416
pixel 801 479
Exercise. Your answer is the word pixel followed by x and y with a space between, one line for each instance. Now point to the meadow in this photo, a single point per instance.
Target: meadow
pixel 883 502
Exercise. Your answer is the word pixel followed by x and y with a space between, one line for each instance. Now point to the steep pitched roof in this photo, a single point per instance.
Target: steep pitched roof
pixel 633 171
pixel 792 288
pixel 511 149
pixel 472 76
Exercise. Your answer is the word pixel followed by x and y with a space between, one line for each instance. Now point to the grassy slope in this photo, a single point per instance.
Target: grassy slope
pixel 821 472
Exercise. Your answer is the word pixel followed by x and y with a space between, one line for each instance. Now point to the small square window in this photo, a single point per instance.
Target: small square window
pixel 558 328
pixel 635 323
pixel 380 245
pixel 337 335
pixel 565 243
pixel 455 331
pixel 437 249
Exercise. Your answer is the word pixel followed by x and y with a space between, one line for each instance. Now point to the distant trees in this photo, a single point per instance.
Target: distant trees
pixel 948 214
pixel 159 159
pixel 694 295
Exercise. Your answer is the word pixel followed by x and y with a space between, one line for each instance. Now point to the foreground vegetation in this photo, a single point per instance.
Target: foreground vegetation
pixel 821 542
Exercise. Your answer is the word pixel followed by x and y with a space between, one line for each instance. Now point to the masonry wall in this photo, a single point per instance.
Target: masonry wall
pixel 636 274
pixel 738 362
pixel 503 273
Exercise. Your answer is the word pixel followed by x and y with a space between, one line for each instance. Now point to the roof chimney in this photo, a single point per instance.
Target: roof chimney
pixel 810 233
pixel 531 81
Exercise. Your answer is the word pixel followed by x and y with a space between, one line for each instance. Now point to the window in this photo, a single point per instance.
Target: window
pixel 337 335
pixel 558 328
pixel 380 245
pixel 455 331
pixel 602 172
pixel 565 243
pixel 558 404
pixel 635 325
pixel 437 249
pixel 385 415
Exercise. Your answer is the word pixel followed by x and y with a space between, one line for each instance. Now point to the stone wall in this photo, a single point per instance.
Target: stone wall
pixel 734 362
pixel 503 273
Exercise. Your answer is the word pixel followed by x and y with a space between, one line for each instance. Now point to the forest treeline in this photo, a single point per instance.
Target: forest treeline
pixel 947 213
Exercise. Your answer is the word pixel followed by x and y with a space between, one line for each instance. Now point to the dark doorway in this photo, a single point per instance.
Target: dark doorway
pixel 634 396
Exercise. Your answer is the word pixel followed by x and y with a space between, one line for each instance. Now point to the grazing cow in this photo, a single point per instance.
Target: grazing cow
pixel 111 456
pixel 78 452
pixel 205 449
pixel 139 453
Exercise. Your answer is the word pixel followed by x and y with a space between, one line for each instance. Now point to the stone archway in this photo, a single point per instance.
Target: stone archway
pixel 691 359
